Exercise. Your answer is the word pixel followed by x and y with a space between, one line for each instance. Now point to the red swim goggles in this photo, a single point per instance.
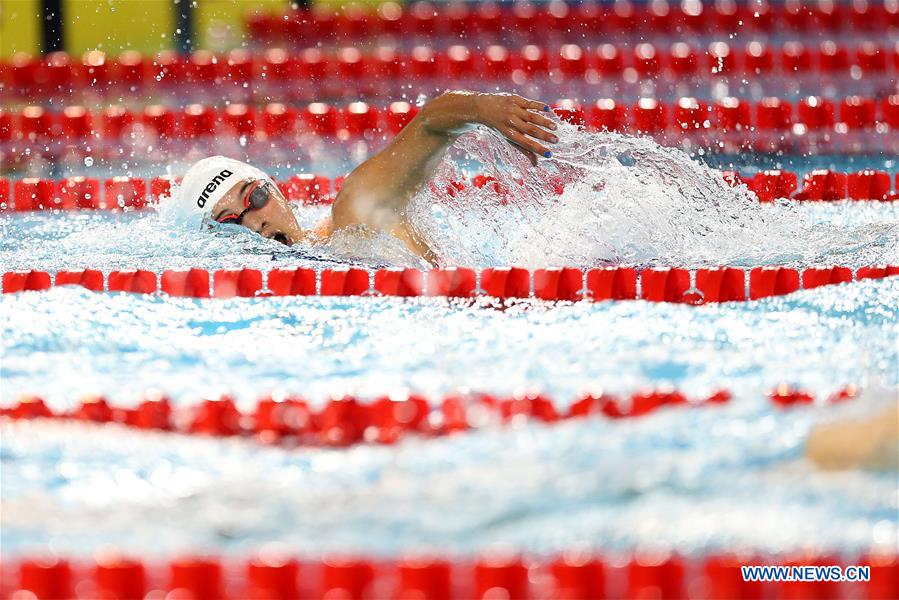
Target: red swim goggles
pixel 256 196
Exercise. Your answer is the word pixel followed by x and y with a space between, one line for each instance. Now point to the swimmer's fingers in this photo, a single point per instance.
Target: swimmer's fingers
pixel 532 104
pixel 534 131
pixel 520 139
pixel 538 119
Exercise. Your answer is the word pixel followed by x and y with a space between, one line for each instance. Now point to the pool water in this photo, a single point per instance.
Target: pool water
pixel 696 481
pixel 692 479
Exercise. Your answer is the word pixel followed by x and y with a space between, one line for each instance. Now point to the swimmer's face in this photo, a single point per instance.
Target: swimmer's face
pixel 274 220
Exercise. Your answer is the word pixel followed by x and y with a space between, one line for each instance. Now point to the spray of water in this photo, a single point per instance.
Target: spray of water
pixel 602 198
pixel 606 198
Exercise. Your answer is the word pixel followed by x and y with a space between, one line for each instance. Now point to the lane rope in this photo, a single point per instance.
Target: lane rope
pixel 345 420
pixel 774 121
pixel 275 574
pixel 137 193
pixel 674 285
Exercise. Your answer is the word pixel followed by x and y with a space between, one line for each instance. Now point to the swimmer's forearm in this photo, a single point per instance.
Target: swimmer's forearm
pixel 451 114
pixel 378 192
pixel 391 178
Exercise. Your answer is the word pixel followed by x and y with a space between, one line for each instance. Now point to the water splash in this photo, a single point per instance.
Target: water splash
pixel 625 200
pixel 609 198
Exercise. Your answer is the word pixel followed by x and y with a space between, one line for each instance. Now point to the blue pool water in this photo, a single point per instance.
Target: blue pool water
pixel 695 480
pixel 692 479
pixel 70 341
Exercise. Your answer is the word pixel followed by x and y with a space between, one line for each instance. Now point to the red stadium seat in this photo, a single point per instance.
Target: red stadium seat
pixel 160 119
pixel 31 193
pixel 239 119
pixel 116 121
pixel 197 120
pixel 822 184
pixel 203 68
pixel 533 61
pixel 131 69
pixel 646 60
pixel 398 116
pixel 497 63
pixel 361 119
pixel 832 58
pixel 495 575
pixel 682 60
pixel 691 115
pixel 721 59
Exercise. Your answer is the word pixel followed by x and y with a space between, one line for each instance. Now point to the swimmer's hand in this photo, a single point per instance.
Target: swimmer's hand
pixel 377 193
pixel 521 121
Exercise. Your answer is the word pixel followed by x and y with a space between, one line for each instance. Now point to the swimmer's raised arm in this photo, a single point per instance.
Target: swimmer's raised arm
pixel 377 191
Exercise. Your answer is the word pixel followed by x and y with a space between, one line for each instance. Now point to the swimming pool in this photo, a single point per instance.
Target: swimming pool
pixel 654 426
pixel 700 467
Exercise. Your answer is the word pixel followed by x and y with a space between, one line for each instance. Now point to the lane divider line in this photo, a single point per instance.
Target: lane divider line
pixel 343 421
pixel 275 574
pixel 673 285
pixel 851 125
pixel 136 193
pixel 370 69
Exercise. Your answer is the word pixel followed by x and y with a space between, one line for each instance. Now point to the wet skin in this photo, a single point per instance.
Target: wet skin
pixel 376 194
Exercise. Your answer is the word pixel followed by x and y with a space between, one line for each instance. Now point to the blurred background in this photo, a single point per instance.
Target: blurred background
pixel 142 89
pixel 77 26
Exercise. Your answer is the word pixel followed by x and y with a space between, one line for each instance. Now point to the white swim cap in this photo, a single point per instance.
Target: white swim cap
pixel 207 181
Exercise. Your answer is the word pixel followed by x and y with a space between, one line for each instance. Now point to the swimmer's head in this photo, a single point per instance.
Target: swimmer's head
pixel 229 191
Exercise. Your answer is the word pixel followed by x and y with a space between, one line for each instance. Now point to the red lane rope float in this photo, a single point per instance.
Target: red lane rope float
pixel 575 20
pixel 345 420
pixel 135 193
pixel 246 74
pixel 675 285
pixel 812 120
pixel 276 575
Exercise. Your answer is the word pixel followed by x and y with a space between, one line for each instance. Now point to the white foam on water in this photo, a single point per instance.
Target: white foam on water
pixel 625 200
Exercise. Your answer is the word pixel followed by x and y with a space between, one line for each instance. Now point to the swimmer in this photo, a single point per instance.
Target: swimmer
pixel 870 442
pixel 377 192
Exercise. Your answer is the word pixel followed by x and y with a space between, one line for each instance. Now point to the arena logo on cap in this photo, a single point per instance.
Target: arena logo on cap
pixel 212 185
